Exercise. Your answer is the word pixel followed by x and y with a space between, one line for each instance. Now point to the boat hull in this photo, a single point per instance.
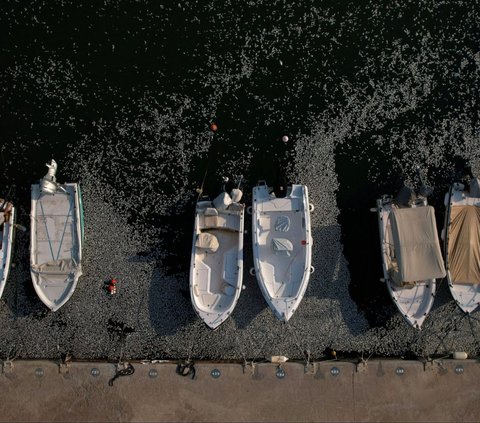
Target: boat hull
pixel 7 241
pixel 414 303
pixel 56 243
pixel 216 276
pixel 466 295
pixel 282 247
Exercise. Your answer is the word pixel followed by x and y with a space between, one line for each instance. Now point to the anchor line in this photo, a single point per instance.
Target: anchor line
pixel 470 317
pixel 297 341
pixel 454 323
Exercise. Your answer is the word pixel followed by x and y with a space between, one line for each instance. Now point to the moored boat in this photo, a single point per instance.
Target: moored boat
pixel 282 246
pixel 56 239
pixel 411 255
pixel 461 236
pixel 7 231
pixel 216 268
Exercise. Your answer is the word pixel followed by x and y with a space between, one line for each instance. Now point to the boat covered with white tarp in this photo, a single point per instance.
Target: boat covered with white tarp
pixel 216 269
pixel 461 235
pixel 282 246
pixel 411 255
pixel 7 231
pixel 56 239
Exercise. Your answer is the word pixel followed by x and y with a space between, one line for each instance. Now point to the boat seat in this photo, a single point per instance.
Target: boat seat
pixel 207 242
pixel 230 270
pixel 280 205
pixel 202 273
pixel 210 211
pixel 209 299
pixel 264 224
pixel 223 221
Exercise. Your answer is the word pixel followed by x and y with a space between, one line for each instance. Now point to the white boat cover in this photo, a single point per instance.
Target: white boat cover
pixel 416 244
pixel 464 245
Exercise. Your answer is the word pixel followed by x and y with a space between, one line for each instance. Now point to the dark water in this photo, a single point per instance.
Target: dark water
pixel 135 84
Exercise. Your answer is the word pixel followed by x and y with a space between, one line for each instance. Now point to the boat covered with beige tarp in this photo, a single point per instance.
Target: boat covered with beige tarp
pixel 411 255
pixel 462 240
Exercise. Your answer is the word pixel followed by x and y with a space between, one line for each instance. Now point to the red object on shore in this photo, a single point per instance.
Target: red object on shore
pixel 213 127
pixel 112 286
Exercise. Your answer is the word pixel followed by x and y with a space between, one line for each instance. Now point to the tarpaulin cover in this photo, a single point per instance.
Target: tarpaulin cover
pixel 416 244
pixel 464 244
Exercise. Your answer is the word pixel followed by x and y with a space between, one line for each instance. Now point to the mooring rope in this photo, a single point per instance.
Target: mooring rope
pixel 454 322
pixel 470 318
pixel 127 371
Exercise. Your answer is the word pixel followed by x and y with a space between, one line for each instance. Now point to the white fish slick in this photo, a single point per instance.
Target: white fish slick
pixel 56 239
pixel 282 246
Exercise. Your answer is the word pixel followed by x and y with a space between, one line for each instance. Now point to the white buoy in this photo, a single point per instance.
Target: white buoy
pixel 460 355
pixel 285 138
pixel 278 359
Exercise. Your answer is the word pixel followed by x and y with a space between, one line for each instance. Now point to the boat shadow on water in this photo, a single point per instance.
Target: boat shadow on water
pixel 331 277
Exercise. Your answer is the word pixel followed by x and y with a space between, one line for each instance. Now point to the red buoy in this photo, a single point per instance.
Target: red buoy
pixel 213 127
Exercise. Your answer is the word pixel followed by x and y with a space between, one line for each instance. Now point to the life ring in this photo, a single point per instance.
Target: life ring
pixel 252 271
pixel 249 209
pixel 312 269
pixel 311 207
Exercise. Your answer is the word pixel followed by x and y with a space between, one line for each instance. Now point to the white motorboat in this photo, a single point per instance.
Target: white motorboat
pixel 216 269
pixel 411 255
pixel 56 239
pixel 461 236
pixel 282 246
pixel 7 230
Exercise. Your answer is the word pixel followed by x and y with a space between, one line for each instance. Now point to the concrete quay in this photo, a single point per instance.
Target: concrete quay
pixel 330 391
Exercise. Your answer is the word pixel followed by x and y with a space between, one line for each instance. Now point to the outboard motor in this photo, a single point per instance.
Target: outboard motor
pixel 236 195
pixel 475 187
pixel 48 183
pixel 405 197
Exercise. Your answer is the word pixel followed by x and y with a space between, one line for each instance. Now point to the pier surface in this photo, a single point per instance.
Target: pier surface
pixel 380 390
